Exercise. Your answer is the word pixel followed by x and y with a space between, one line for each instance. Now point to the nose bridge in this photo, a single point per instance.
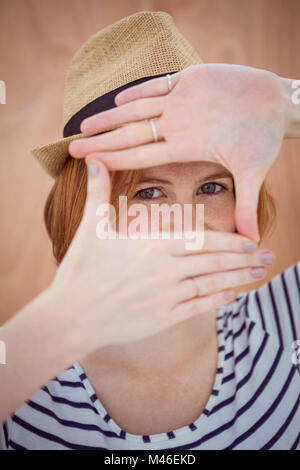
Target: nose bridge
pixel 186 216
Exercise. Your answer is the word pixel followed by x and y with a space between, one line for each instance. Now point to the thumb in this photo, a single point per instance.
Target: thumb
pixel 98 189
pixel 247 189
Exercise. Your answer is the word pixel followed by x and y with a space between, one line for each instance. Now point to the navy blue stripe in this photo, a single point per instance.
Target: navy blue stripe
pixel 258 302
pixel 228 355
pixel 242 410
pixel 276 315
pixel 94 397
pixel 220 317
pixel 242 355
pixel 242 382
pixel 288 302
pixel 16 446
pixel 67 383
pixel 283 428
pixel 238 358
pixel 297 278
pixel 5 433
pixel 246 306
pixel 240 331
pixel 65 401
pixel 295 445
pixel 244 352
pixel 237 333
pixel 226 319
pixel 70 424
pixel 52 437
pixel 266 415
pixel 298 288
pixel 228 378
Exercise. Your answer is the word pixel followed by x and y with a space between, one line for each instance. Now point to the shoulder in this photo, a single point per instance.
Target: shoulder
pixel 275 306
pixel 62 397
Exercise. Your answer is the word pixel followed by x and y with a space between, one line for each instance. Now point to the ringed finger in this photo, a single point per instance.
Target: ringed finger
pixel 128 136
pixel 209 284
pixel 152 87
pixel 130 112
pixel 198 305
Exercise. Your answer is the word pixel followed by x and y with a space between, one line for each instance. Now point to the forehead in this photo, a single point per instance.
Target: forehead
pixel 174 170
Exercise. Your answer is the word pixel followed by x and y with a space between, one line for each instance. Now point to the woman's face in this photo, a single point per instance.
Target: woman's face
pixel 191 183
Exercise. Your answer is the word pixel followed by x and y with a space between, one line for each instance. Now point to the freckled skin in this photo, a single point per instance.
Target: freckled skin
pixel 184 189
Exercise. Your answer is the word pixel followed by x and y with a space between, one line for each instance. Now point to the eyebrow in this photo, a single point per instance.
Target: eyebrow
pixel 220 174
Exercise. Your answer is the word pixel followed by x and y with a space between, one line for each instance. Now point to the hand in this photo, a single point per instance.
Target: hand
pixel 121 290
pixel 230 114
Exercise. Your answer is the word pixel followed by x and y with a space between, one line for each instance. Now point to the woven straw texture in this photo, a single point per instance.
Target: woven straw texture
pixel 143 44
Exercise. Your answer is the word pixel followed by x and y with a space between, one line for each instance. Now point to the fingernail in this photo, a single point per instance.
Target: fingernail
pixel 258 272
pixel 268 258
pixel 229 294
pixel 249 247
pixel 92 169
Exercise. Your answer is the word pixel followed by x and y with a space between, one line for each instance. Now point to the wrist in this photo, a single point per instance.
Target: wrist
pixel 39 344
pixel 291 95
pixel 43 331
pixel 82 328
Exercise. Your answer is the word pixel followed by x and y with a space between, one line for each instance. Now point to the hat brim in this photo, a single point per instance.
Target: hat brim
pixel 52 156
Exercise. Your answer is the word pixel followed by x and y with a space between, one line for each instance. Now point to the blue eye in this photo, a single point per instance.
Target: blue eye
pixel 146 193
pixel 209 188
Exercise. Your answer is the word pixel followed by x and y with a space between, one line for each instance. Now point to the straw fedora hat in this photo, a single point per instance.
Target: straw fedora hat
pixel 134 49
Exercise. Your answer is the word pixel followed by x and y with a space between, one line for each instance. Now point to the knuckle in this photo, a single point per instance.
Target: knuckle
pixel 247 276
pixel 166 122
pixel 240 277
pixel 215 282
pixel 203 284
pixel 223 280
pixel 249 259
pixel 218 261
pixel 136 109
pixel 128 135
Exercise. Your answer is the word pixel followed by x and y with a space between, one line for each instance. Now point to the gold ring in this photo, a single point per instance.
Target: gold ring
pixel 154 131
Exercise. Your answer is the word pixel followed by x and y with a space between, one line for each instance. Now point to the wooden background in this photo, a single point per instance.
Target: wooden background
pixel 37 42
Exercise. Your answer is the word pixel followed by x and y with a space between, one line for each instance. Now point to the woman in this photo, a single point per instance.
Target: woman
pixel 142 360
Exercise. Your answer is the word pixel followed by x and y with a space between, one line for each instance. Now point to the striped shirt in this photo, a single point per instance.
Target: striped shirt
pixel 254 404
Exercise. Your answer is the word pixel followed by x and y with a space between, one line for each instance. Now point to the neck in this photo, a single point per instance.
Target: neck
pixel 164 352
